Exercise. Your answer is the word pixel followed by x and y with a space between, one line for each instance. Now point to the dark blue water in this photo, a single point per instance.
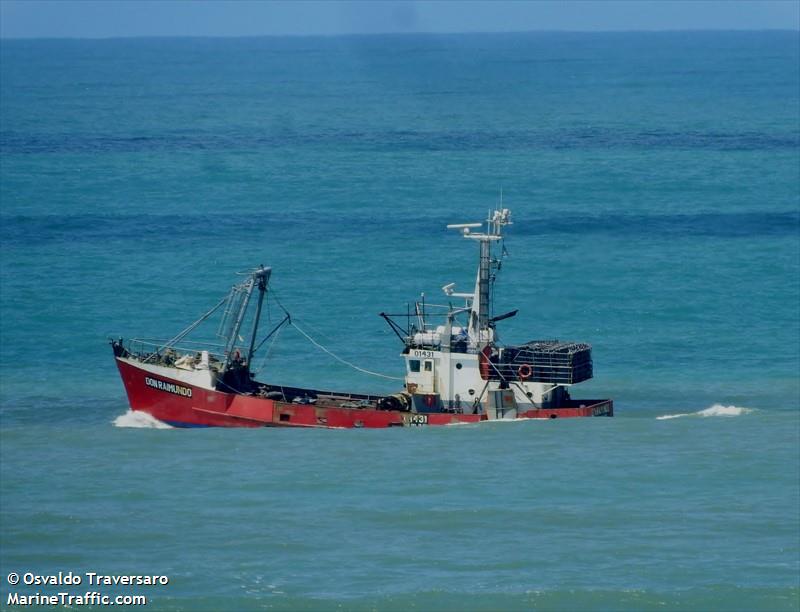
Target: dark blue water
pixel 655 186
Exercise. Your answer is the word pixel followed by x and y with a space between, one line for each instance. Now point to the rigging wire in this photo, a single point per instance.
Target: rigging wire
pixel 292 321
pixel 274 334
pixel 276 329
pixel 339 359
pixel 270 346
pixel 189 329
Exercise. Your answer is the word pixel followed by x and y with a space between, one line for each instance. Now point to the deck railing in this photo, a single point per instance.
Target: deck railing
pixel 154 350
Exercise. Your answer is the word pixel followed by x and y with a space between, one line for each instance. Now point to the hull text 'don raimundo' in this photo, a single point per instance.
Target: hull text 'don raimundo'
pixel 456 370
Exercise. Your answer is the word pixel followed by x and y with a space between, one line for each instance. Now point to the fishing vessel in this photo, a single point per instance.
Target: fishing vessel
pixel 456 368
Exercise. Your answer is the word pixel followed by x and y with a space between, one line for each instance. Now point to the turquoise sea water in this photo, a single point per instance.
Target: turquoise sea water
pixel 654 181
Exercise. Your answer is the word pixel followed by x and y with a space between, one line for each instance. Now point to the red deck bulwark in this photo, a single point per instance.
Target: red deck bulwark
pixel 576 408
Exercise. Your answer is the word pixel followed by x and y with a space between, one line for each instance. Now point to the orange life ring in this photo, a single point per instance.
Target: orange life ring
pixel 524 371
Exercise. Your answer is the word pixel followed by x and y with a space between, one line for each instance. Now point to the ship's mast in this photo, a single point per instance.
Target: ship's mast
pixel 260 277
pixel 479 329
pixel 483 287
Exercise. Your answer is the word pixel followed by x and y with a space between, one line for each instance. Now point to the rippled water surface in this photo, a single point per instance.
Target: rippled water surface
pixel 655 187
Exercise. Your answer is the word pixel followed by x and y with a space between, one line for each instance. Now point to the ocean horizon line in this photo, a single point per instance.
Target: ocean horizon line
pixel 401 34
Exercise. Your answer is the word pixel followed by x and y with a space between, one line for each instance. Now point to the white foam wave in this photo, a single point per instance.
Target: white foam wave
pixel 141 420
pixel 720 410
pixel 712 411
pixel 492 422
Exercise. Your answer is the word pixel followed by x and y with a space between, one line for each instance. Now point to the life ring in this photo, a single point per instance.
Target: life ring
pixel 524 371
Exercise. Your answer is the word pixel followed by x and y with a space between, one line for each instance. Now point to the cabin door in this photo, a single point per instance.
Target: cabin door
pixel 428 376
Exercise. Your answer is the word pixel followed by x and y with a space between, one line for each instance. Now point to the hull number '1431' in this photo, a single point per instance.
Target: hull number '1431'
pixel 423 354
pixel 418 419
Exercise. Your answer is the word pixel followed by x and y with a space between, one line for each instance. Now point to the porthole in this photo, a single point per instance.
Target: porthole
pixel 472 391
pixel 459 366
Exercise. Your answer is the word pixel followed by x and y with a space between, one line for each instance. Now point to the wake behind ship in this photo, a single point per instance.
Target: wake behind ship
pixel 456 369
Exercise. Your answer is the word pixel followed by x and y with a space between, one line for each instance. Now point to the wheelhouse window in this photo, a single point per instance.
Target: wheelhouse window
pixel 413 365
pixel 429 366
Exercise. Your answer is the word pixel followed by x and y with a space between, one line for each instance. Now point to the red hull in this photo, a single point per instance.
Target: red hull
pixel 198 407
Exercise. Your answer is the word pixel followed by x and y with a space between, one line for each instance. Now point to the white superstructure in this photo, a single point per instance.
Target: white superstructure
pixel 456 363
